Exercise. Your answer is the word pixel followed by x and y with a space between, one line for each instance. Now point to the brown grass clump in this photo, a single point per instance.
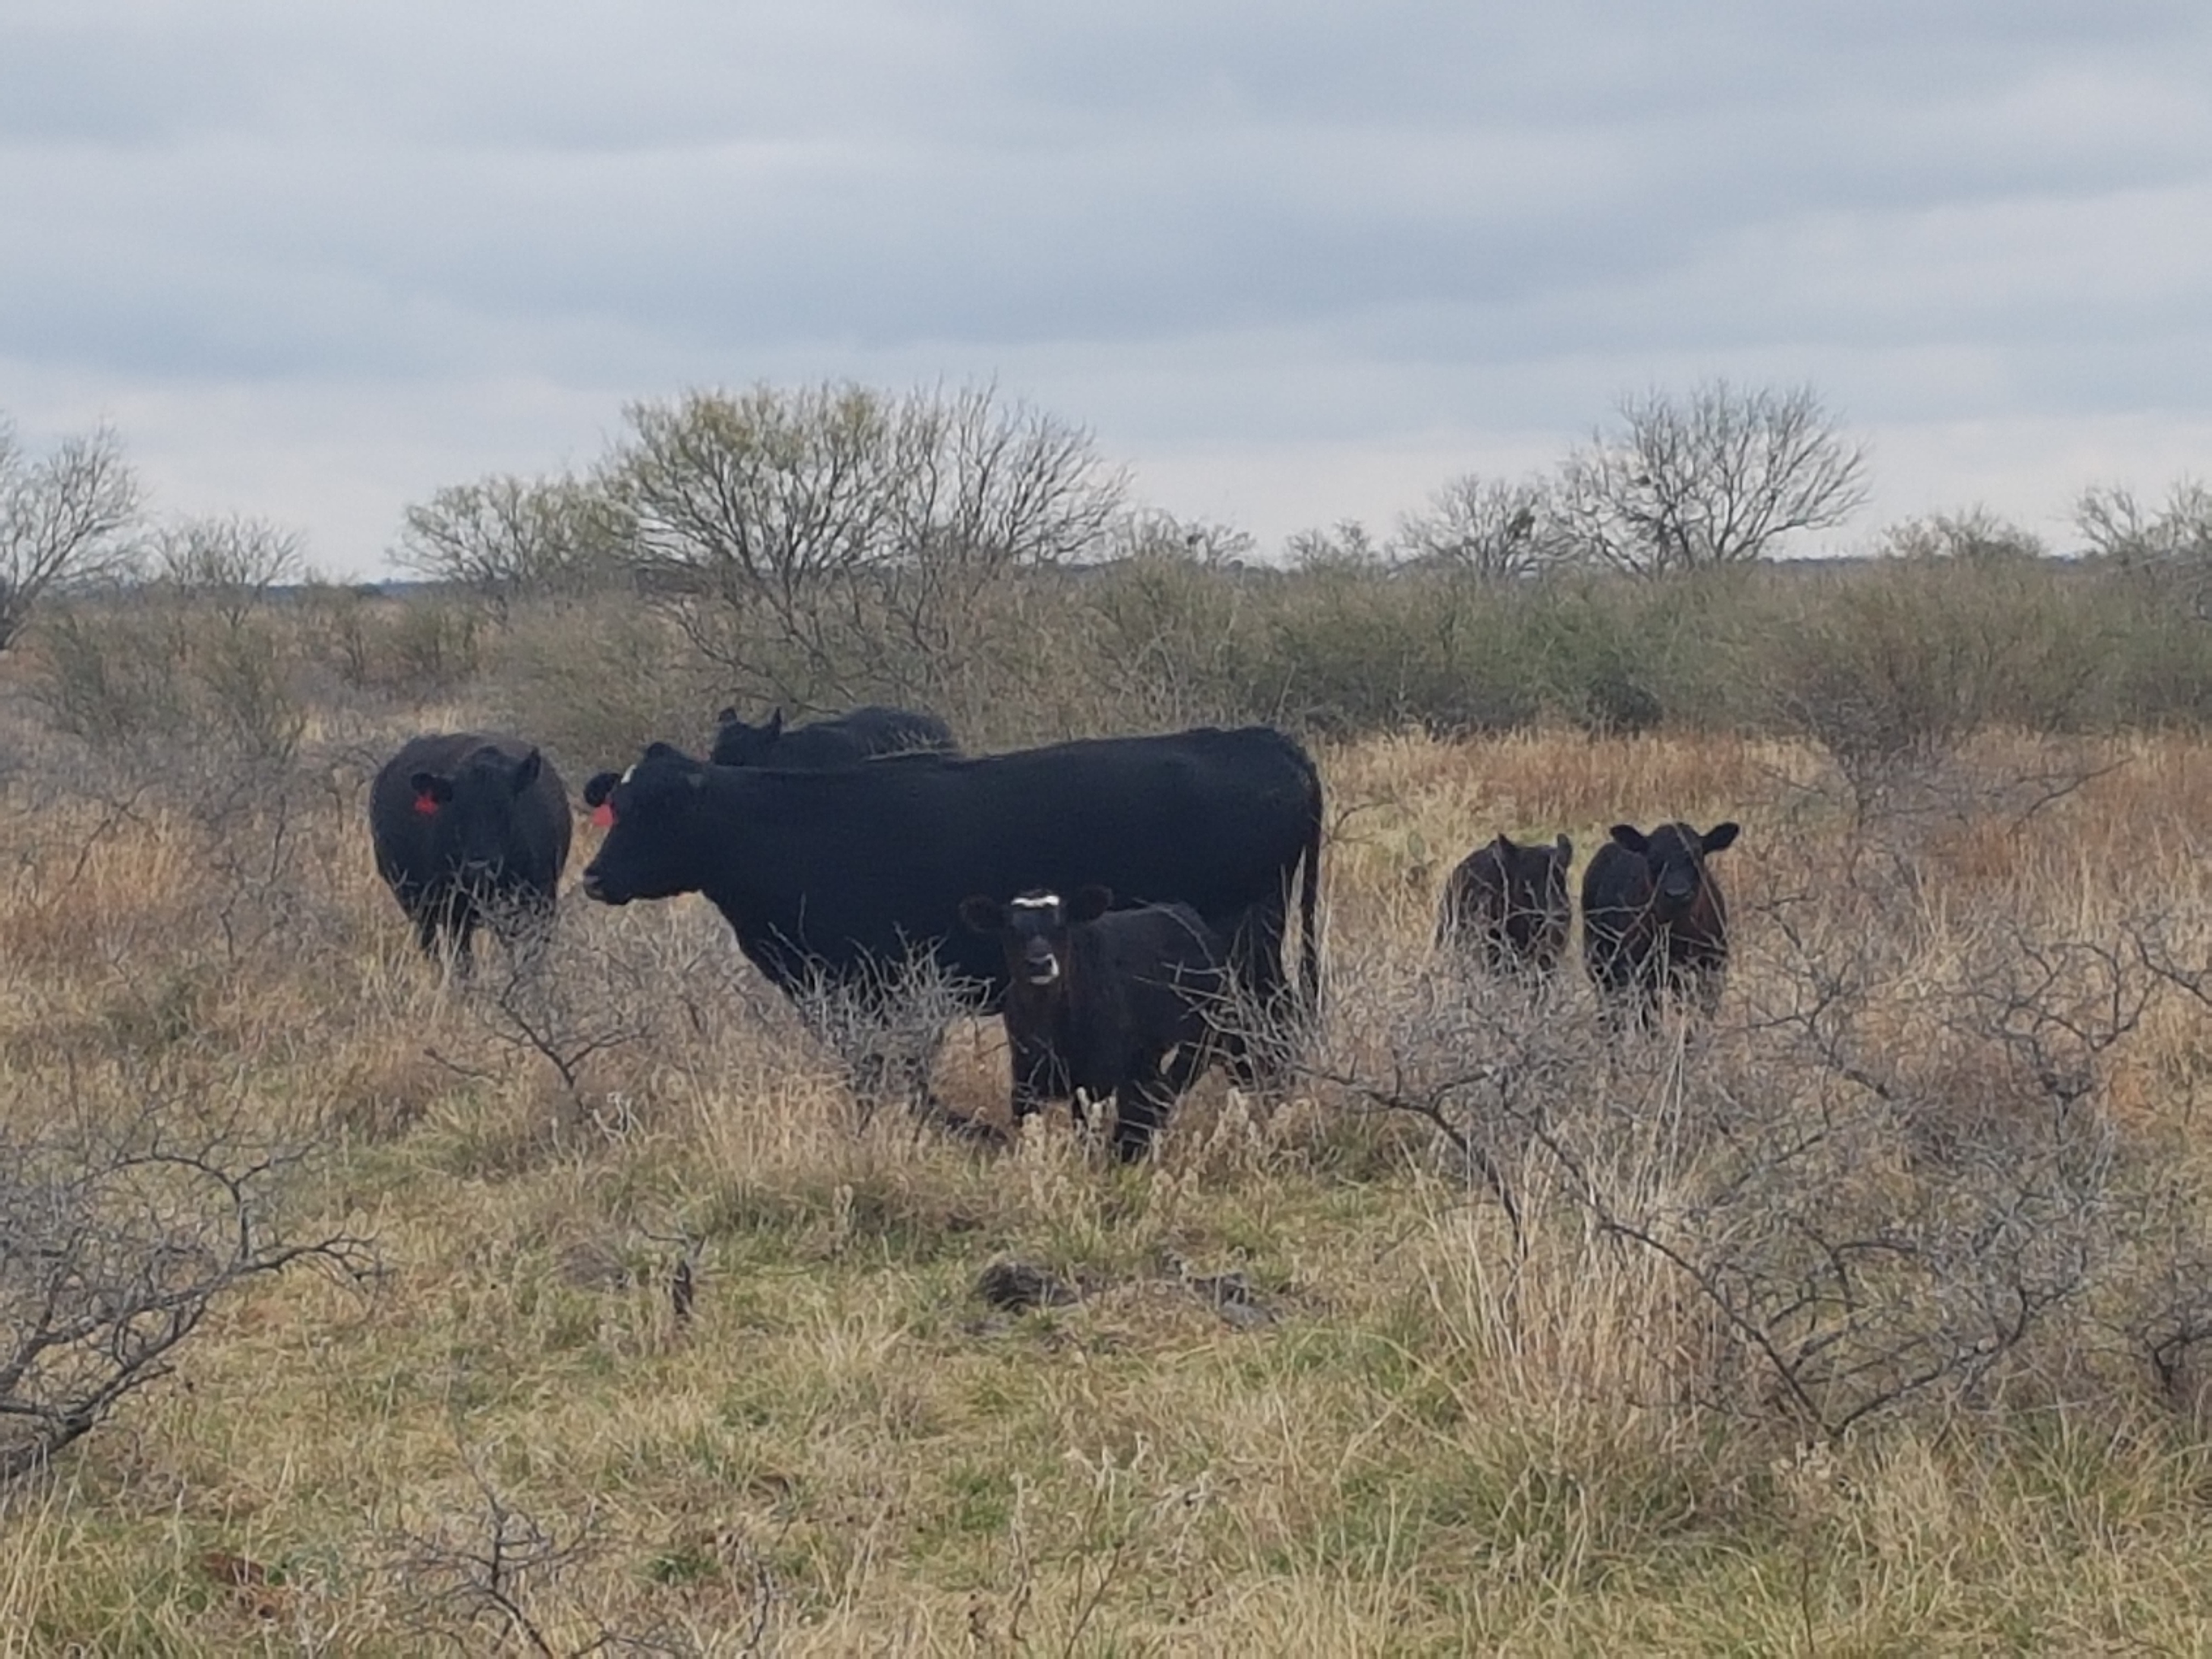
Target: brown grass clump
pixel 1490 1334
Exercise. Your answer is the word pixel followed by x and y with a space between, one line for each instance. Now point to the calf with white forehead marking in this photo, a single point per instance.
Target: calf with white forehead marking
pixel 1102 1002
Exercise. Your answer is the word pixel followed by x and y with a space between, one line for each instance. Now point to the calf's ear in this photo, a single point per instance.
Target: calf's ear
pixel 727 716
pixel 598 786
pixel 1565 849
pixel 774 726
pixel 526 770
pixel 979 915
pixel 1628 835
pixel 1089 903
pixel 1504 844
pixel 1720 836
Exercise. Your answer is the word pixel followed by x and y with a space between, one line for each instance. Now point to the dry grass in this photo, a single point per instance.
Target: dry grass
pixel 1428 1445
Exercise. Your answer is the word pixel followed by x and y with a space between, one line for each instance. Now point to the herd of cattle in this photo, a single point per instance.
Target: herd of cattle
pixel 1124 903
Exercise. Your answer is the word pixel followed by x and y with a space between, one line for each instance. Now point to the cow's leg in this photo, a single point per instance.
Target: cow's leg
pixel 1140 1107
pixel 1189 1061
pixel 1259 1015
pixel 463 927
pixel 1037 1080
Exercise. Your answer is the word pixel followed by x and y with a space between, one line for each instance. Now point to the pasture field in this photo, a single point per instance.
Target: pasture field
pixel 1864 1320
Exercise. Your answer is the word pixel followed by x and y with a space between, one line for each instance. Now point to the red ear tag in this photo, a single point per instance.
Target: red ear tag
pixel 603 815
pixel 425 805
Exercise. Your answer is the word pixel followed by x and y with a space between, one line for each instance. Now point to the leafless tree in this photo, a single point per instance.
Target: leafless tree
pixel 228 563
pixel 2170 546
pixel 2116 523
pixel 1493 529
pixel 1348 546
pixel 1716 479
pixel 1976 534
pixel 66 521
pixel 1150 534
pixel 850 533
pixel 505 538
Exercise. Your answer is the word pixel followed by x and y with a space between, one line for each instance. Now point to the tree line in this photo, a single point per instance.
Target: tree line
pixel 769 496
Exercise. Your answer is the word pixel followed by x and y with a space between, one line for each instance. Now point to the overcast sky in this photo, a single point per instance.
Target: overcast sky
pixel 1293 263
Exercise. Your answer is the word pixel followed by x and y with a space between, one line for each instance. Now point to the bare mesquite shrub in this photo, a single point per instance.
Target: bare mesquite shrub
pixel 118 1235
pixel 1890 1177
pixel 499 1573
pixel 576 1013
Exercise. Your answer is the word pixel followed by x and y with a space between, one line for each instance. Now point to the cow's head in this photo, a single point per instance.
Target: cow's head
pixel 1034 927
pixel 737 743
pixel 648 813
pixel 473 806
pixel 1675 857
pixel 1536 876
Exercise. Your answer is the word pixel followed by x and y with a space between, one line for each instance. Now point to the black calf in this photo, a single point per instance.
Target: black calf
pixel 1654 921
pixel 1508 904
pixel 1097 999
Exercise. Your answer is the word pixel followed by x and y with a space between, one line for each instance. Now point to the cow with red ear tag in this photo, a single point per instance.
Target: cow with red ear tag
pixel 468 828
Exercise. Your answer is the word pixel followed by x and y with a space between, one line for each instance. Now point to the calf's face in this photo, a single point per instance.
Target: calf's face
pixel 1674 858
pixel 1537 877
pixel 1036 929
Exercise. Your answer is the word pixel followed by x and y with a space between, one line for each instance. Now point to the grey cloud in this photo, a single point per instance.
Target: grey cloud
pixel 1266 219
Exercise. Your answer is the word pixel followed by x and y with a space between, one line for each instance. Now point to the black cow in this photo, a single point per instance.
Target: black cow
pixel 468 828
pixel 844 741
pixel 838 877
pixel 1508 904
pixel 1654 918
pixel 1097 999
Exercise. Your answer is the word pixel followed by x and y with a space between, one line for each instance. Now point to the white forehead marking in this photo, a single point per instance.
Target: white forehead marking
pixel 1036 902
pixel 628 775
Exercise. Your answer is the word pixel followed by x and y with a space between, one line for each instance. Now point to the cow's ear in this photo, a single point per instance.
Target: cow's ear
pixel 526 770
pixel 1565 849
pixel 1721 835
pixel 1504 844
pixel 979 915
pixel 774 726
pixel 659 750
pixel 727 717
pixel 598 786
pixel 431 791
pixel 1628 835
pixel 1089 903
